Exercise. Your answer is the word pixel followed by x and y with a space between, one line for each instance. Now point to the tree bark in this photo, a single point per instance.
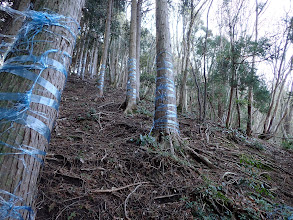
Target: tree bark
pixel 138 37
pixel 132 77
pixel 165 121
pixel 25 130
pixel 102 68
pixel 80 66
pixel 95 62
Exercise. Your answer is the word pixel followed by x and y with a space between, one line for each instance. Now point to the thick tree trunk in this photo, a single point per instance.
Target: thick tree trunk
pixel 131 83
pixel 165 121
pixel 31 105
pixel 102 68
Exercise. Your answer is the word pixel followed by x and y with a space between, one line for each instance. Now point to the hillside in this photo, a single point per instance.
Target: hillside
pixel 101 165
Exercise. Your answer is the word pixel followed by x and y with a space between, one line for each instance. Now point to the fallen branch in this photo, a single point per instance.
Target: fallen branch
pixel 201 158
pixel 117 189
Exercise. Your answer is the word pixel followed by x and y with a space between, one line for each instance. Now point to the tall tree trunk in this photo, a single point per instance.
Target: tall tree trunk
pixel 30 95
pixel 102 68
pixel 205 66
pixel 250 89
pixel 185 61
pixel 165 121
pixel 198 95
pixel 277 104
pixel 138 37
pixel 131 83
pixel 91 61
pixel 233 78
pixel 80 65
pixel 95 62
pixel 238 109
pixel 274 93
pixel 84 60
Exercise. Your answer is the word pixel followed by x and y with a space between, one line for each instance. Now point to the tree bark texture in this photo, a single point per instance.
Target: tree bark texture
pixel 102 68
pixel 95 61
pixel 165 120
pixel 32 79
pixel 138 38
pixel 131 83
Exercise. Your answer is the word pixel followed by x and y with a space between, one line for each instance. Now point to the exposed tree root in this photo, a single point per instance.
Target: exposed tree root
pixel 180 150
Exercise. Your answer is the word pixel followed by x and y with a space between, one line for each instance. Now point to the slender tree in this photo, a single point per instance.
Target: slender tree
pixel 138 39
pixel 102 68
pixel 130 101
pixel 185 60
pixel 31 85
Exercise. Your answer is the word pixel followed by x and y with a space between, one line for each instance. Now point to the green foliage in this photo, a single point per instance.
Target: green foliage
pixel 252 167
pixel 287 144
pixel 71 216
pixel 144 111
pixel 262 96
pixel 95 13
pixel 147 140
pixel 209 202
pixel 147 78
pixel 249 161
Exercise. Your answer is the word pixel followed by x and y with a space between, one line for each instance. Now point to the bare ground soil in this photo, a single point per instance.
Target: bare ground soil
pixel 101 165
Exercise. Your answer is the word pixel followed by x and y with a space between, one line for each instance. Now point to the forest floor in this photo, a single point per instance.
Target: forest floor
pixel 101 164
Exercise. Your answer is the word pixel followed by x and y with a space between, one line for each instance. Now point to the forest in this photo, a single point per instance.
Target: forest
pixel 146 109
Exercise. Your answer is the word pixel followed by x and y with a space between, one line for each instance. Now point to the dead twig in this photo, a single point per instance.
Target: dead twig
pixel 125 202
pixel 92 169
pixel 66 207
pixel 117 189
pixel 109 103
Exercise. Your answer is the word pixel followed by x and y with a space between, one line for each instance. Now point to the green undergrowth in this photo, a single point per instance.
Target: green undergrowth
pixel 212 200
pixel 287 144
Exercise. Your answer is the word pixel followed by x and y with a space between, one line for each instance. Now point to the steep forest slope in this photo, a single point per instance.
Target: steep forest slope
pixel 103 165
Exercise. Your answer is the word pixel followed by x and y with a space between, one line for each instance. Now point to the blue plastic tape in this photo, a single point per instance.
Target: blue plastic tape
pixel 165 89
pixel 9 209
pixel 25 150
pixel 30 67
